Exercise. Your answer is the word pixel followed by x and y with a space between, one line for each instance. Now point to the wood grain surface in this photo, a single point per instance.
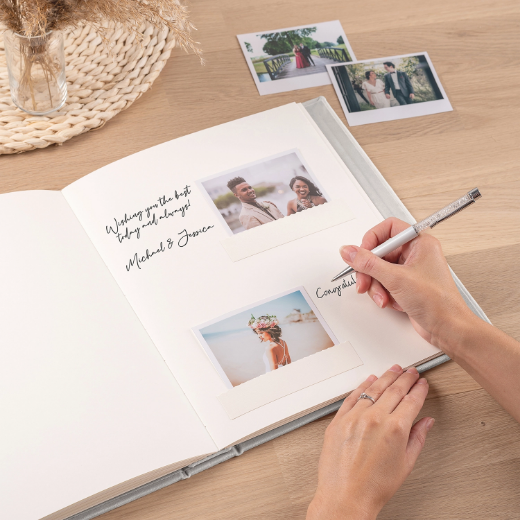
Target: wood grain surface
pixel 470 467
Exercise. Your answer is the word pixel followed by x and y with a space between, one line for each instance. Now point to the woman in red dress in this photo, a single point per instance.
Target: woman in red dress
pixel 301 60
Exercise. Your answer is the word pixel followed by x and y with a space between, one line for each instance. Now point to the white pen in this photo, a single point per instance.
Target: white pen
pixel 413 231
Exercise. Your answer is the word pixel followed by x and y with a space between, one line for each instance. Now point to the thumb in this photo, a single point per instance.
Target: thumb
pixel 364 261
pixel 417 439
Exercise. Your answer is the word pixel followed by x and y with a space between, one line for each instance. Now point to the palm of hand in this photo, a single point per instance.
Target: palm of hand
pixel 421 330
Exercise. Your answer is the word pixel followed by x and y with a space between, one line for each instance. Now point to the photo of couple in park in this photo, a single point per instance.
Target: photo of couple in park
pixel 400 81
pixel 285 59
pixel 303 56
pixel 264 337
pixel 263 192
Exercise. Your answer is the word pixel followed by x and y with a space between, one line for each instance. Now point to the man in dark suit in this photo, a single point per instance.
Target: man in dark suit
pixel 307 53
pixel 399 83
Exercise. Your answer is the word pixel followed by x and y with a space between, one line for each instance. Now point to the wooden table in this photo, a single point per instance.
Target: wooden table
pixel 470 467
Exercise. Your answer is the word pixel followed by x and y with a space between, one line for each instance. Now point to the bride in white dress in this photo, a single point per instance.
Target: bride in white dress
pixel 375 90
pixel 276 352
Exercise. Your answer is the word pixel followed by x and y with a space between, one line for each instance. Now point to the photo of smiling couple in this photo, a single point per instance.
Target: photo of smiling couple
pixel 263 192
pixel 255 213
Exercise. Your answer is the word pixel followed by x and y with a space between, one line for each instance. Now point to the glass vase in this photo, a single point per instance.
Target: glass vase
pixel 36 67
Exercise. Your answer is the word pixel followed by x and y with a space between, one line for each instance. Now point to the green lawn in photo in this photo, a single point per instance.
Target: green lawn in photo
pixel 259 65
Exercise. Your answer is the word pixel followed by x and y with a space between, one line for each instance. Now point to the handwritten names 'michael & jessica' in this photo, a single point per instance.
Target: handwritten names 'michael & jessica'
pixel 137 259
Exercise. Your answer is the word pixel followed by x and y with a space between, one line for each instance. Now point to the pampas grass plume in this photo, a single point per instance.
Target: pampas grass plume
pixel 38 17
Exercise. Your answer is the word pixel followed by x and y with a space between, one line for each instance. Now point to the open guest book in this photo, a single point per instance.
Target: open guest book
pixel 176 304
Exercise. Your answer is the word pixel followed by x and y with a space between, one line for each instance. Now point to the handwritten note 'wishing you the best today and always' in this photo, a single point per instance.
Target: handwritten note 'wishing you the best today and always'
pixel 134 225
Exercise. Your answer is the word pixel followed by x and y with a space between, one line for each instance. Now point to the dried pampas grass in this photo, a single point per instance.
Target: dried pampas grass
pixel 38 17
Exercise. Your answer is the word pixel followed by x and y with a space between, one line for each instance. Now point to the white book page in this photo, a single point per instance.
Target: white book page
pixel 87 401
pixel 177 283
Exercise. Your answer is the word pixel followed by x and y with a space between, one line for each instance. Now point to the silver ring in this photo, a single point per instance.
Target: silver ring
pixel 366 396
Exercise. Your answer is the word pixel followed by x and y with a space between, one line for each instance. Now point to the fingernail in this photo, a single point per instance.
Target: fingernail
pixel 371 378
pixel 396 368
pixel 412 370
pixel 430 423
pixel 349 253
pixel 378 299
pixel 422 381
pixel 397 307
pixel 357 287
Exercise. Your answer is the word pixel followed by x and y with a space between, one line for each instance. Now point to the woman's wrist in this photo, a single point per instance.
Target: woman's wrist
pixel 328 508
pixel 453 333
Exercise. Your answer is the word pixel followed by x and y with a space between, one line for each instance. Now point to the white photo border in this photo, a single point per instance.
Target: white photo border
pixel 214 208
pixel 288 84
pixel 392 113
pixel 209 352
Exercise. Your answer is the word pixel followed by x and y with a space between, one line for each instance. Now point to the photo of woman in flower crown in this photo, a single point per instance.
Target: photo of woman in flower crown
pixel 276 352
pixel 265 336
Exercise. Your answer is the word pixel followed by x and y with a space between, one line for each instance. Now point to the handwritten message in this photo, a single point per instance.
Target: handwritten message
pixel 134 225
pixel 322 293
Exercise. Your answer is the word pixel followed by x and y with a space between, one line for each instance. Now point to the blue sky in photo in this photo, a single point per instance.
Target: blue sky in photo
pixel 280 307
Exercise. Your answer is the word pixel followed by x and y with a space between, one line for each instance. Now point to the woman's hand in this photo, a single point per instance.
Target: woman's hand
pixel 306 203
pixel 414 278
pixel 370 449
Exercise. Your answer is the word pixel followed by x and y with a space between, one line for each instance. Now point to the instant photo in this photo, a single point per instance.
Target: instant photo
pixel 264 337
pixel 385 89
pixel 263 192
pixel 294 58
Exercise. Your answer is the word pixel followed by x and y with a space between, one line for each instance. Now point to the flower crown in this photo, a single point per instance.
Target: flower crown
pixel 263 322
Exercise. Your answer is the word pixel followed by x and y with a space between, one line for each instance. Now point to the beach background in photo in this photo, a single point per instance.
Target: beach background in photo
pixel 270 179
pixel 239 351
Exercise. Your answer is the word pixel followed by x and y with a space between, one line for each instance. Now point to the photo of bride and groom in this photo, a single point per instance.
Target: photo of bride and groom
pixel 396 83
pixel 264 192
pixel 296 57
pixel 408 85
pixel 303 56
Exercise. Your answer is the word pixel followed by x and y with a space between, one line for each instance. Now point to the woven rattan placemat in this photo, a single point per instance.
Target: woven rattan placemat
pixel 101 83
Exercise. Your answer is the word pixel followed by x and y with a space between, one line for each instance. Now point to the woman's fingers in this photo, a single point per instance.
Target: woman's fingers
pixel 382 232
pixel 375 236
pixel 351 400
pixel 410 406
pixel 376 389
pixel 363 282
pixel 395 257
pixel 379 294
pixel 417 439
pixel 398 391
